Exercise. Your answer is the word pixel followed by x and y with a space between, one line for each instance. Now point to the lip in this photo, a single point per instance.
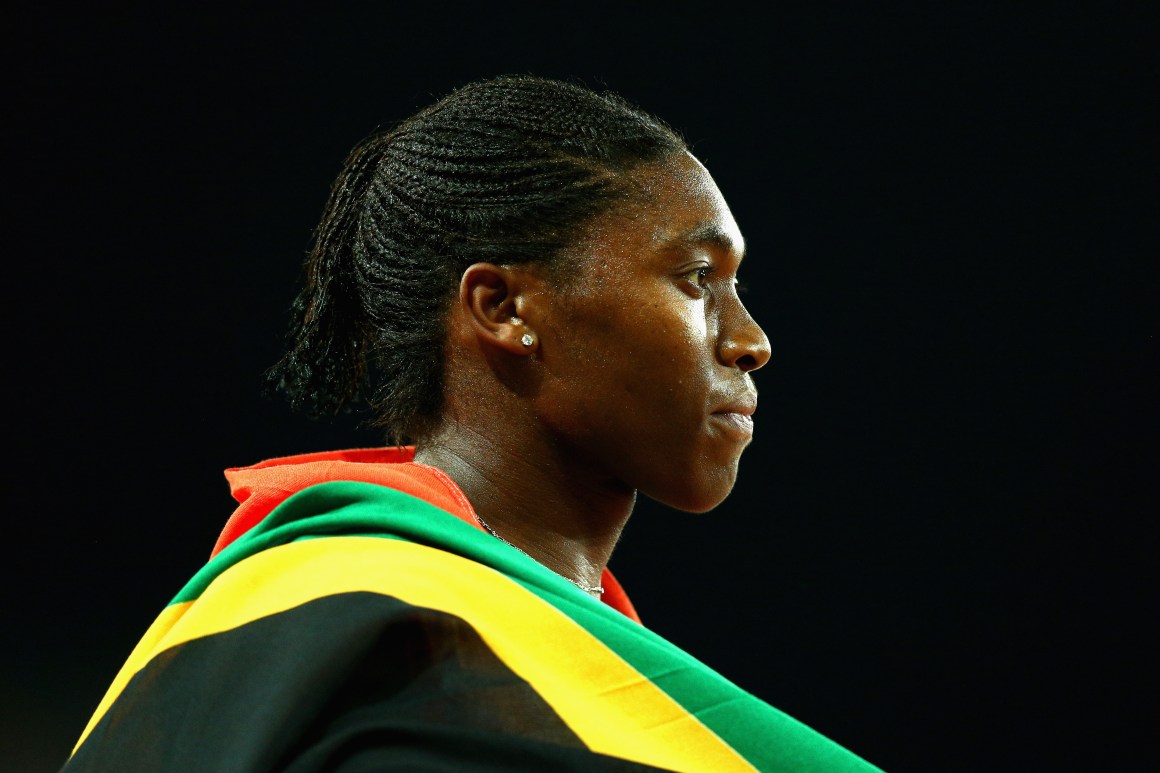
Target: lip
pixel 736 422
pixel 737 415
pixel 743 403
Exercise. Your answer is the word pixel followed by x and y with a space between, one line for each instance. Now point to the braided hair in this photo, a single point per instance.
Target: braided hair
pixel 506 170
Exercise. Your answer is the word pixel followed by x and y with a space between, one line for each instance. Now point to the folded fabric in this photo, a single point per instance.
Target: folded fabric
pixel 351 625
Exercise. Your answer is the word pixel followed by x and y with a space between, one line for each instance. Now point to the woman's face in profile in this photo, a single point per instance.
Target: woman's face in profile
pixel 648 349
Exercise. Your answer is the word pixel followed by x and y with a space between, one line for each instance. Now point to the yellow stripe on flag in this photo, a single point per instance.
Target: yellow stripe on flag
pixel 612 707
pixel 149 645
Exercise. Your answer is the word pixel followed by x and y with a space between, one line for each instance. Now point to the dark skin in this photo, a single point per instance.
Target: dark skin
pixel 636 379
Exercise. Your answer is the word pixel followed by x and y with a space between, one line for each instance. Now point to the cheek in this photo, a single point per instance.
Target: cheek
pixel 661 355
pixel 664 374
pixel 633 389
pixel 642 369
pixel 698 321
pixel 679 328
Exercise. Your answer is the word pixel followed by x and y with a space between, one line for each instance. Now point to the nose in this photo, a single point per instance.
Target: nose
pixel 743 344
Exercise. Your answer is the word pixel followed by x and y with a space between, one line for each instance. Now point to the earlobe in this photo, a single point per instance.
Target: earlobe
pixel 527 339
pixel 492 297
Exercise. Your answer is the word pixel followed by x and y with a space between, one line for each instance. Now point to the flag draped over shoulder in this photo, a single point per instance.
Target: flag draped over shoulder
pixel 354 617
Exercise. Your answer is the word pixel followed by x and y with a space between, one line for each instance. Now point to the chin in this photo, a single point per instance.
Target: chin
pixel 698 509
pixel 705 493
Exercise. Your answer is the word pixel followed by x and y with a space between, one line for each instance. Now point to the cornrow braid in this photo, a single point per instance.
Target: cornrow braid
pixel 506 170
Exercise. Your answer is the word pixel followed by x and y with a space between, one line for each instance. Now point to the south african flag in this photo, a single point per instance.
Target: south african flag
pixel 354 617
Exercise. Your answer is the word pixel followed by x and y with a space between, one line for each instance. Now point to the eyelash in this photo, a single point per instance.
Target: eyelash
pixel 704 272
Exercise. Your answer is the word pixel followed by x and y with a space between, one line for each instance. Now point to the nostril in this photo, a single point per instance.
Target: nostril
pixel 747 363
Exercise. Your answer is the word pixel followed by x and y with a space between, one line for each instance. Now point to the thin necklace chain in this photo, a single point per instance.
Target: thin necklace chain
pixel 577 583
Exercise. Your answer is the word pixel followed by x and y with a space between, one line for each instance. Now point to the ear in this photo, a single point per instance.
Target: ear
pixel 495 300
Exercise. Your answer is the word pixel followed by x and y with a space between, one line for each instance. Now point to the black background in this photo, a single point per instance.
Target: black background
pixel 937 553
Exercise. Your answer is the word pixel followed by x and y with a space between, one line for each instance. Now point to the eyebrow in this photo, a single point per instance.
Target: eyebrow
pixel 707 233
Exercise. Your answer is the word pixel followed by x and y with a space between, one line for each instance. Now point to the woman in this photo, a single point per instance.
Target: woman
pixel 534 285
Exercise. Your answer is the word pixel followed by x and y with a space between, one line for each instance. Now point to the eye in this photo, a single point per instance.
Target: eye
pixel 699 276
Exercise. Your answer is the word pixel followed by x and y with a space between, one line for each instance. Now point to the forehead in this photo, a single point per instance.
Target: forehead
pixel 668 207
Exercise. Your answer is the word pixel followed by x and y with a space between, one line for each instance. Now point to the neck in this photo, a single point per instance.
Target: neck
pixel 534 499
